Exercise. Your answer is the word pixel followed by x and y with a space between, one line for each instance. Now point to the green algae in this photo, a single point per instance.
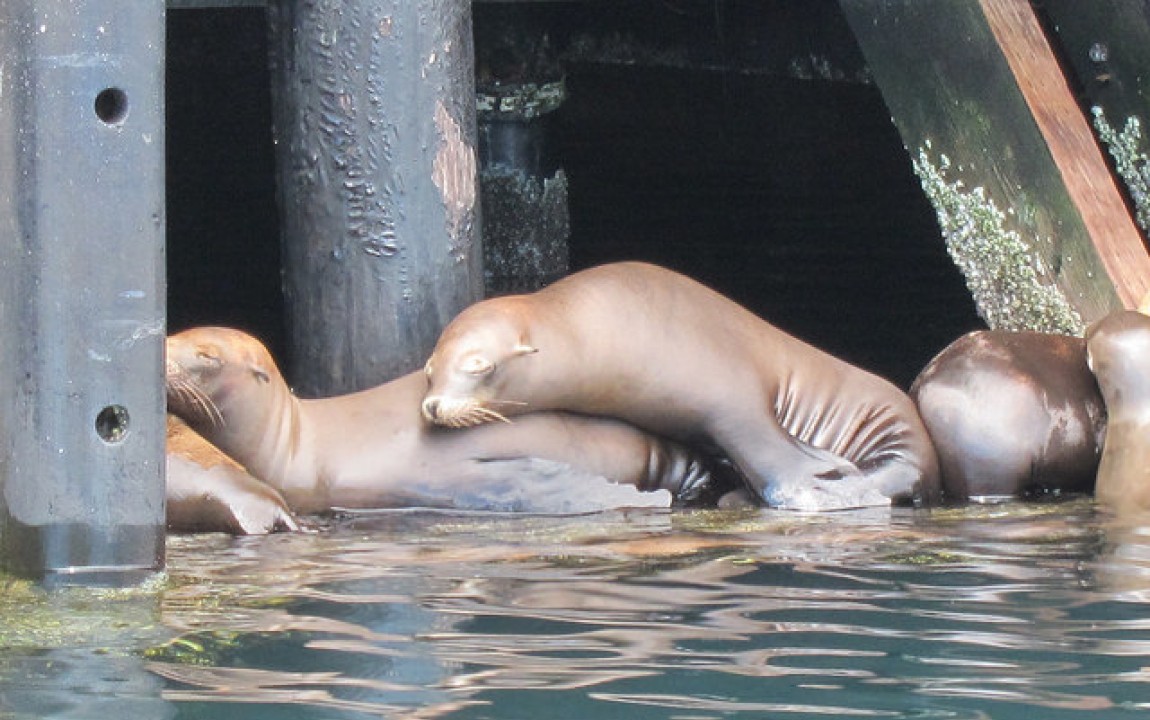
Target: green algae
pixel 34 617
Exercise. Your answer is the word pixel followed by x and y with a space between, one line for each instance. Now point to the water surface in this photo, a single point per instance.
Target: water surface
pixel 1004 611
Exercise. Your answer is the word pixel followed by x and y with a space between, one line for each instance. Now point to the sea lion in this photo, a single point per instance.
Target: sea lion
pixel 371 449
pixel 1118 351
pixel 1012 414
pixel 668 354
pixel 207 491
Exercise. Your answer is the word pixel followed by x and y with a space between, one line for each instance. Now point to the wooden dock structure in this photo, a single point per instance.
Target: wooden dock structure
pixel 1024 122
pixel 1028 203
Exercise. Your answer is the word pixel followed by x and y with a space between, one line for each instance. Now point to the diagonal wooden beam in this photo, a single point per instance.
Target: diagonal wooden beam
pixel 1072 145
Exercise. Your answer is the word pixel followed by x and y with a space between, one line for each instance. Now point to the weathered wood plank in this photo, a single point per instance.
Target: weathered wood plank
pixel 1007 216
pixel 1072 145
pixel 1105 44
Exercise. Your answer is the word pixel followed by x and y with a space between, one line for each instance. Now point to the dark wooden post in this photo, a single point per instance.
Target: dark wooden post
pixel 526 223
pixel 374 115
pixel 82 289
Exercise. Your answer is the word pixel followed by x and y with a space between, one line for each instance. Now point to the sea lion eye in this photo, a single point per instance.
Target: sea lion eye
pixel 209 358
pixel 478 365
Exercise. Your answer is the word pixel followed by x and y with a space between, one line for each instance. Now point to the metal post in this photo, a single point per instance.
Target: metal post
pixel 374 121
pixel 81 289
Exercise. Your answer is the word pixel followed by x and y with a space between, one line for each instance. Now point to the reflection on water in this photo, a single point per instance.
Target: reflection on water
pixel 983 612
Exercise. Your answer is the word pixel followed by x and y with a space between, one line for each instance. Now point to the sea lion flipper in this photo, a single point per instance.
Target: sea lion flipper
pixel 207 491
pixel 822 495
pixel 222 499
pixel 783 471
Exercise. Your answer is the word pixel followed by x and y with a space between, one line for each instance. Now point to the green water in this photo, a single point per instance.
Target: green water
pixel 1007 611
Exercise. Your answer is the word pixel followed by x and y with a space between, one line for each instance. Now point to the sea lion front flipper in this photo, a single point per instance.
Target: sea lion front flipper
pixel 822 495
pixel 790 474
pixel 207 491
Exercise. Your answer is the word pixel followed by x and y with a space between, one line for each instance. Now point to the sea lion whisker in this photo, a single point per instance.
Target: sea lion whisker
pixel 463 413
pixel 483 414
pixel 211 410
pixel 215 416
pixel 187 391
pixel 517 403
pixel 456 421
pixel 180 391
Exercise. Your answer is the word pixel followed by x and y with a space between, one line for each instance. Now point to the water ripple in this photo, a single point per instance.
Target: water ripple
pixel 976 613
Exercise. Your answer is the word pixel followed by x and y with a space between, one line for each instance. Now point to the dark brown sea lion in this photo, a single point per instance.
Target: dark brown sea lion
pixel 371 449
pixel 1118 348
pixel 655 348
pixel 207 491
pixel 1012 414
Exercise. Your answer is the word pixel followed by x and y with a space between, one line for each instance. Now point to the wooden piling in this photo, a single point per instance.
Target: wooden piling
pixel 374 123
pixel 520 83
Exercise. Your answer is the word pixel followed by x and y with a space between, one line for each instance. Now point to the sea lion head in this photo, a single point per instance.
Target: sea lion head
pixel 468 370
pixel 205 367
pixel 1118 353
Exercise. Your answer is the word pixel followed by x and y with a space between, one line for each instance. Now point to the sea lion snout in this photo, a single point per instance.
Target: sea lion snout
pixel 430 409
pixel 458 412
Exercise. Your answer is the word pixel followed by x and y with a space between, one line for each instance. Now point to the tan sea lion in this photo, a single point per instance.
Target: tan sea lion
pixel 371 449
pixel 1118 350
pixel 207 491
pixel 1012 414
pixel 662 351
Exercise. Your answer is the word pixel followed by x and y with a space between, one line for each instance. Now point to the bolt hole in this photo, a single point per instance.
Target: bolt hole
pixel 112 424
pixel 112 106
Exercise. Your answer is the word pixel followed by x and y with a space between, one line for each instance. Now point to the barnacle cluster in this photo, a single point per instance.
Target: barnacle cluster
pixel 1009 282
